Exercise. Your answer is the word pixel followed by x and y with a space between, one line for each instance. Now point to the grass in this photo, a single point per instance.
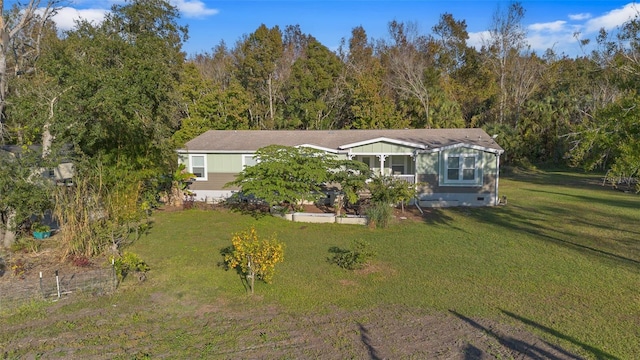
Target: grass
pixel 561 259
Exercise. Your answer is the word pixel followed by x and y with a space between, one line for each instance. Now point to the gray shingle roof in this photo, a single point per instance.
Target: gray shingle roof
pixel 252 140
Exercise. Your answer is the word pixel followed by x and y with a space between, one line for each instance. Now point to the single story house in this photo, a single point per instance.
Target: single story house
pixel 450 167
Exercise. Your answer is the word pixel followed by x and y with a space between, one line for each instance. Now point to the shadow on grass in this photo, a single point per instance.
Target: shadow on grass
pixel 472 353
pixel 519 346
pixel 597 353
pixel 366 340
pixel 518 220
pixel 435 216
pixel 630 204
pixel 254 209
pixel 562 178
pixel 228 251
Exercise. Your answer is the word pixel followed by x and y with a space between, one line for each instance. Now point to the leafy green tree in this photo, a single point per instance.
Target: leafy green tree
pixel 285 175
pixel 614 141
pixel 118 112
pixel 24 192
pixel 312 94
pixel 206 106
pixel 352 176
pixel 123 76
pixel 369 104
pixel 388 190
pixel 258 57
pixel 290 175
pixel 609 137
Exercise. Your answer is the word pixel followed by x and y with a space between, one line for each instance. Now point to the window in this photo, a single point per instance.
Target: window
pixel 198 166
pixel 248 160
pixel 462 169
pixel 398 165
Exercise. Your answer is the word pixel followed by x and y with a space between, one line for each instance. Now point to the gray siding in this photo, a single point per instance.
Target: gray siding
pixel 215 181
pixel 428 184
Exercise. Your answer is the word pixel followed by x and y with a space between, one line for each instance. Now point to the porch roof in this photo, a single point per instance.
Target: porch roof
pixel 248 141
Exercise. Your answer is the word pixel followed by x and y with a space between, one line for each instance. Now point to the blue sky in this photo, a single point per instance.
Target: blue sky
pixel 548 23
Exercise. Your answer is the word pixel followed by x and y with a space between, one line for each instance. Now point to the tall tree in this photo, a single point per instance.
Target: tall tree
pixel 463 77
pixel 257 59
pixel 411 73
pixel 370 103
pixel 312 94
pixel 507 38
pixel 611 137
pixel 206 106
pixel 217 66
pixel 119 112
pixel 21 31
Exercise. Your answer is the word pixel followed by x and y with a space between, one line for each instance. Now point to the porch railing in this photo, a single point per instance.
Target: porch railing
pixel 411 179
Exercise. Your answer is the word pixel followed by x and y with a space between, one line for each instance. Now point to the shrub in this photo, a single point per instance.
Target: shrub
pixel 130 262
pixel 380 214
pixel 26 244
pixel 352 259
pixel 253 257
pixel 40 227
pixel 80 261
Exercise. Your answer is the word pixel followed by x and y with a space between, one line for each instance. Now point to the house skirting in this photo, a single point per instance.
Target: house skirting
pixel 213 196
pixel 459 199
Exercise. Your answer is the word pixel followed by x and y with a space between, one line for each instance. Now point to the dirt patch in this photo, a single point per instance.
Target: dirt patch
pixel 253 330
pixel 44 256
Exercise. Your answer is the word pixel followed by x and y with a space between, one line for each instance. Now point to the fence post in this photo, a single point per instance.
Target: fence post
pixel 115 275
pixel 58 284
pixel 41 289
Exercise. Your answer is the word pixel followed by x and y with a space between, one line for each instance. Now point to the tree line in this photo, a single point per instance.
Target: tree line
pixel 120 96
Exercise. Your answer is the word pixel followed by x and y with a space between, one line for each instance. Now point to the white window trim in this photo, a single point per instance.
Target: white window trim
pixel 206 173
pixel 477 180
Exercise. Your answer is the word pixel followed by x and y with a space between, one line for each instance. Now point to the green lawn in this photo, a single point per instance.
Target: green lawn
pixel 562 259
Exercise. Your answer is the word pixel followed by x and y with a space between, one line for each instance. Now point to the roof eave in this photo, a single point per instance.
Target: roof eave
pixel 384 139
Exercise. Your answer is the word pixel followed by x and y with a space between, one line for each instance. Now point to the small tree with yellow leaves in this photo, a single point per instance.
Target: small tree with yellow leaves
pixel 253 257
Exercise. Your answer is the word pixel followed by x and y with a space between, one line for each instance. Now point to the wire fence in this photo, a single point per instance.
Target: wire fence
pixel 53 286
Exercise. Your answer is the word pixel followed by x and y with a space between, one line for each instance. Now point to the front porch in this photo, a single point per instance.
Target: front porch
pixel 398 166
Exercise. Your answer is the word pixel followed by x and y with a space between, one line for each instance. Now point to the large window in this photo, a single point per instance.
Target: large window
pixel 198 166
pixel 461 169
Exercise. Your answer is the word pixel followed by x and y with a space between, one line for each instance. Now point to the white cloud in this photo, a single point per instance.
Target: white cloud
pixel 476 39
pixel 579 17
pixel 193 8
pixel 66 17
pixel 554 26
pixel 560 43
pixel 613 18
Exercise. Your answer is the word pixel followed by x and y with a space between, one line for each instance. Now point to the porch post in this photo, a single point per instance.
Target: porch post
pixel 382 157
pixel 496 201
pixel 414 156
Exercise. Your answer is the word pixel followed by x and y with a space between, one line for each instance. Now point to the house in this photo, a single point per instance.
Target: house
pixel 62 174
pixel 450 167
